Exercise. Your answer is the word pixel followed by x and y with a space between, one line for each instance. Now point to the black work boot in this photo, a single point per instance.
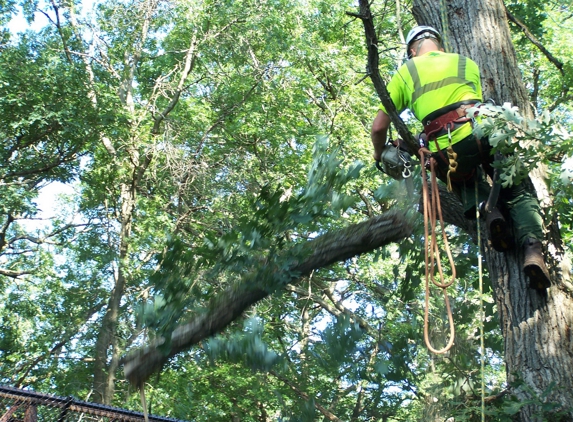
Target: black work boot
pixel 499 234
pixel 534 265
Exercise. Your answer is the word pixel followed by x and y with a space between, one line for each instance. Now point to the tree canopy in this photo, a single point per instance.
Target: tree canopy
pixel 214 159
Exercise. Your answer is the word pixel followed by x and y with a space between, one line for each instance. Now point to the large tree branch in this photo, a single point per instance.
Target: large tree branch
pixel 261 282
pixel 373 61
pixel 535 41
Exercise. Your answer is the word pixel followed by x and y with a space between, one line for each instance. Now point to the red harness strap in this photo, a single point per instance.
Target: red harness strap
pixel 450 120
pixel 446 123
pixel 440 125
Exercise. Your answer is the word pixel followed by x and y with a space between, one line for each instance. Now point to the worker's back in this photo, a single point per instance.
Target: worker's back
pixel 433 81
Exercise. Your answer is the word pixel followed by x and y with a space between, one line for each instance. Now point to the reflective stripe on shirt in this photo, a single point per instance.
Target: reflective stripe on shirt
pixel 447 78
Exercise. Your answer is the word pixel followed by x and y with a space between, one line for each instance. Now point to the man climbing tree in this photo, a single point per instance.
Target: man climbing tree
pixel 281 254
pixel 438 87
pixel 534 326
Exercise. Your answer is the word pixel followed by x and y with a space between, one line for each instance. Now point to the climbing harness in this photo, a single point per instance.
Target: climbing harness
pixel 432 212
pixel 445 121
pixel 447 118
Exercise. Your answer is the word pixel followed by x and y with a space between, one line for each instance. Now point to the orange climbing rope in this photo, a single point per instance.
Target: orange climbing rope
pixel 432 212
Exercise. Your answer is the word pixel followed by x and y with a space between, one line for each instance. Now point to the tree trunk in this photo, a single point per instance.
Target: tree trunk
pixel 536 327
pixel 105 366
pixel 106 361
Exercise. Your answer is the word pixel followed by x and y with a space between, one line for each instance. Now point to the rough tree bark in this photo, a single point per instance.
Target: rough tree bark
pixel 536 327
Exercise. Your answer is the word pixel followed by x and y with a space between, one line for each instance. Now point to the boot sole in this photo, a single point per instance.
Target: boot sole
pixel 537 279
pixel 500 238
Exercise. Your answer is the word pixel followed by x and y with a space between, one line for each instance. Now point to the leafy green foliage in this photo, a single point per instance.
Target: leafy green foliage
pixel 259 236
pixel 42 134
pixel 247 347
pixel 261 152
pixel 522 142
pixel 7 8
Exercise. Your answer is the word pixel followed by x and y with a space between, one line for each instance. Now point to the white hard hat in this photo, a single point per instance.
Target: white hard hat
pixel 419 32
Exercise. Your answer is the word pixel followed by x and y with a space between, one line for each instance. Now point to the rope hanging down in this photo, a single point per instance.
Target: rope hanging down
pixel 445 26
pixel 481 307
pixel 433 211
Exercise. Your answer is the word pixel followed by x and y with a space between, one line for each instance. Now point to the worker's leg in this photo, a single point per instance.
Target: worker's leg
pixel 467 193
pixel 469 157
pixel 526 215
pixel 472 153
pixel 522 205
pixel 525 212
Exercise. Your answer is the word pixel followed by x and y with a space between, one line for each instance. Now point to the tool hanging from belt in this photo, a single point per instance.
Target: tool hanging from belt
pixel 394 161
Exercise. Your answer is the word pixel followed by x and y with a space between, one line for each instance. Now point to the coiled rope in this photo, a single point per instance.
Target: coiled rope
pixel 452 159
pixel 432 212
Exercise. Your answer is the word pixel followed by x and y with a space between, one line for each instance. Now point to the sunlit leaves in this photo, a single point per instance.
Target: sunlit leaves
pixel 41 96
pixel 524 143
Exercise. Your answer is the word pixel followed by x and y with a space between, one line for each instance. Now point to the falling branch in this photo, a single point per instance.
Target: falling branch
pixel 261 282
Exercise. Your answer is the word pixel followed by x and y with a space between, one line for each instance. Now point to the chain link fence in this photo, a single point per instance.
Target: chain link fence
pixel 17 405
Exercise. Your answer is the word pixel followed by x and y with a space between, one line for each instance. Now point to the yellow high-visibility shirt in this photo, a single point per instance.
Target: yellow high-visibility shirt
pixel 432 81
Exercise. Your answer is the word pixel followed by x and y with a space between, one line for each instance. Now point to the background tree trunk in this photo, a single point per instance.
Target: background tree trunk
pixel 106 361
pixel 536 327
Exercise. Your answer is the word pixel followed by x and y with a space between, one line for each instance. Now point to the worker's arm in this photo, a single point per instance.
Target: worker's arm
pixel 379 132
